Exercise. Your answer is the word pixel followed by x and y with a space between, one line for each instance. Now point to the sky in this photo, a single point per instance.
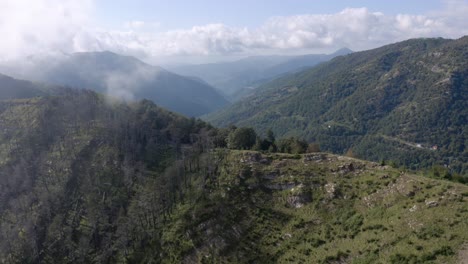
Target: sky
pixel 176 31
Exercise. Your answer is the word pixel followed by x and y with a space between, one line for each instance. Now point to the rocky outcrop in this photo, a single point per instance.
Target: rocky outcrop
pixel 317 157
pixel 331 190
pixel 299 196
pixel 432 203
pixel 252 157
pixel 298 201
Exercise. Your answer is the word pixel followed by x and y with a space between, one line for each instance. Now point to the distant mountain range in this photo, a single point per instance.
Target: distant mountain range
pixel 124 77
pixel 236 79
pixel 406 102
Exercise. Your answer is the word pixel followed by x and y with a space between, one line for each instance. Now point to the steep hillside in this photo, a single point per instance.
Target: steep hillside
pixel 125 77
pixel 80 177
pixel 405 102
pixel 238 78
pixel 87 180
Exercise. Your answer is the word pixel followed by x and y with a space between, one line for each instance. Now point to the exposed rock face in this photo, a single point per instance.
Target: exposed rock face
pixel 406 189
pixel 299 196
pixel 271 175
pixel 280 186
pixel 414 208
pixel 317 157
pixel 331 190
pixel 385 176
pixel 348 167
pixel 252 157
pixel 298 201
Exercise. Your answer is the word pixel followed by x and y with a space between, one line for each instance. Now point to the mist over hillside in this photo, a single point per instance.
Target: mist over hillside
pixel 122 77
pixel 161 132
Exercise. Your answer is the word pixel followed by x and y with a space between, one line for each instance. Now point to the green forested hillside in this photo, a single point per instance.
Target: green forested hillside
pixel 88 180
pixel 406 102
pixel 85 180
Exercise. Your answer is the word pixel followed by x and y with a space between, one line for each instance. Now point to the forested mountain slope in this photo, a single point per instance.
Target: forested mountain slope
pixel 406 102
pixel 78 174
pixel 84 179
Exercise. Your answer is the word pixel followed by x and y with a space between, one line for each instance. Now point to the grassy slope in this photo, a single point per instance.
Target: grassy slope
pixel 326 213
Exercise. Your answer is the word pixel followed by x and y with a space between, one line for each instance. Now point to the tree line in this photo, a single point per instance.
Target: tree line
pixel 246 138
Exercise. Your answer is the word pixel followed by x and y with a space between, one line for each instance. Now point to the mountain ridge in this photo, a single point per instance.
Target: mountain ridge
pixel 125 77
pixel 233 77
pixel 11 88
pixel 346 103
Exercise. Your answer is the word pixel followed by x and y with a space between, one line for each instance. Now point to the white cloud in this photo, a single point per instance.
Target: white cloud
pixel 30 27
pixel 356 28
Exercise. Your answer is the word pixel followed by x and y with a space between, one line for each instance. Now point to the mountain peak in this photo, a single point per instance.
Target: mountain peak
pixel 342 51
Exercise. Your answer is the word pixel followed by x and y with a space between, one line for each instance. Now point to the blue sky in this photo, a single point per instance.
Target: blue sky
pixel 176 14
pixel 176 31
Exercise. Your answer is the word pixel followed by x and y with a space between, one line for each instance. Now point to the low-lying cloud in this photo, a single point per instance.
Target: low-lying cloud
pixel 31 27
pixel 123 85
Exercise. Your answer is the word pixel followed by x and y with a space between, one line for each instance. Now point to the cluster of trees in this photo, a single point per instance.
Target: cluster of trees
pixel 245 138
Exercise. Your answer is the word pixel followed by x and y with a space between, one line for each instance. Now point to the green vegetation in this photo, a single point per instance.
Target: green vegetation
pixel 245 138
pixel 85 180
pixel 404 103
pixel 320 208
pixel 241 138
